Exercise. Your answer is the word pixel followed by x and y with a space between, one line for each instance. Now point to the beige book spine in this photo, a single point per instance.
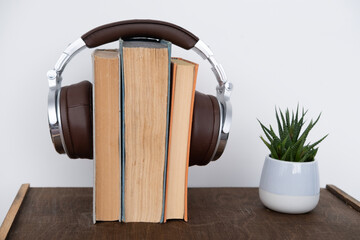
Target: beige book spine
pixel 146 95
pixel 107 125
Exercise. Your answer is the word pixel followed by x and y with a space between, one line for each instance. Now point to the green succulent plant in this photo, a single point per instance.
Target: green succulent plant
pixel 290 144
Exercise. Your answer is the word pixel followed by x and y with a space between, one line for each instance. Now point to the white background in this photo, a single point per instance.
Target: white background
pixel 276 53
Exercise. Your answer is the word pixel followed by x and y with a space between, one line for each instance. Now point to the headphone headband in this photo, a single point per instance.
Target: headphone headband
pixel 140 28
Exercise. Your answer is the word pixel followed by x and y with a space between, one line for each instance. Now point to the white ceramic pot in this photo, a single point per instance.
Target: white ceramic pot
pixel 289 187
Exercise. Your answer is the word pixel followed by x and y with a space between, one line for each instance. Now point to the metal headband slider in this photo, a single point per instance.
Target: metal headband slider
pixel 205 52
pixel 68 53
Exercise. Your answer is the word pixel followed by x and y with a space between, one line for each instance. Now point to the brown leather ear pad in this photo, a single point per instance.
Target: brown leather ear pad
pixel 205 129
pixel 76 119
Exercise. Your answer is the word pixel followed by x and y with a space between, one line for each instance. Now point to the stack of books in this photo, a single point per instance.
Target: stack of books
pixel 143 106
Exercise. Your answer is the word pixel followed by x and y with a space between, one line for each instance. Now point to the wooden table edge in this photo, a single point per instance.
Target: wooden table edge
pixel 15 206
pixel 346 198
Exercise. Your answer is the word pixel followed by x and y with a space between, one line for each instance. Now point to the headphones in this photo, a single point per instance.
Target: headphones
pixel 70 110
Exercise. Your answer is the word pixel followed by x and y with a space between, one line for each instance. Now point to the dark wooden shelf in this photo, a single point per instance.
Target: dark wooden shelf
pixel 214 213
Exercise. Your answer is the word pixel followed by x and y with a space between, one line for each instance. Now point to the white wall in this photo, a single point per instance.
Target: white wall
pixel 279 53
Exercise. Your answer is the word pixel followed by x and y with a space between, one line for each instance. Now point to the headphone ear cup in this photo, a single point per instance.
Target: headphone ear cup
pixel 76 119
pixel 205 129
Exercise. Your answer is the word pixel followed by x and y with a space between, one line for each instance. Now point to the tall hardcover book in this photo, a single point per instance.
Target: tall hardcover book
pixel 107 187
pixel 184 75
pixel 145 122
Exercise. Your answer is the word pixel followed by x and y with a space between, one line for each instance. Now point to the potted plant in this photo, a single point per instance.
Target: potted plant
pixel 290 176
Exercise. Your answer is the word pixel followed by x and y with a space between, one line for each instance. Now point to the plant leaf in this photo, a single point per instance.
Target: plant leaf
pixel 281 132
pixel 272 150
pixel 266 131
pixel 316 143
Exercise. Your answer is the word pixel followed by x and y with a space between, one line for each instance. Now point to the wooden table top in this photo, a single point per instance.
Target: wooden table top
pixel 214 213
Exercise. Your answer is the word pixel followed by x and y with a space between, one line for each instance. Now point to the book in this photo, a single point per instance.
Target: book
pixel 107 187
pixel 184 75
pixel 145 122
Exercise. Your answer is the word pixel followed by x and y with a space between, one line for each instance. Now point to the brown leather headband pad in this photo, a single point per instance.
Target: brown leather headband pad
pixel 140 28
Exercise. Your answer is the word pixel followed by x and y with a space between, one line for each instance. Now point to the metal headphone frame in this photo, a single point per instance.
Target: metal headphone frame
pixel 223 92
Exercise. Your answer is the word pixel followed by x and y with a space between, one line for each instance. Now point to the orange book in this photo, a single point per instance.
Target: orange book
pixel 184 75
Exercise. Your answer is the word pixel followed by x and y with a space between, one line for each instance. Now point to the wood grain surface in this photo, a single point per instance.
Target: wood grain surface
pixel 214 213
